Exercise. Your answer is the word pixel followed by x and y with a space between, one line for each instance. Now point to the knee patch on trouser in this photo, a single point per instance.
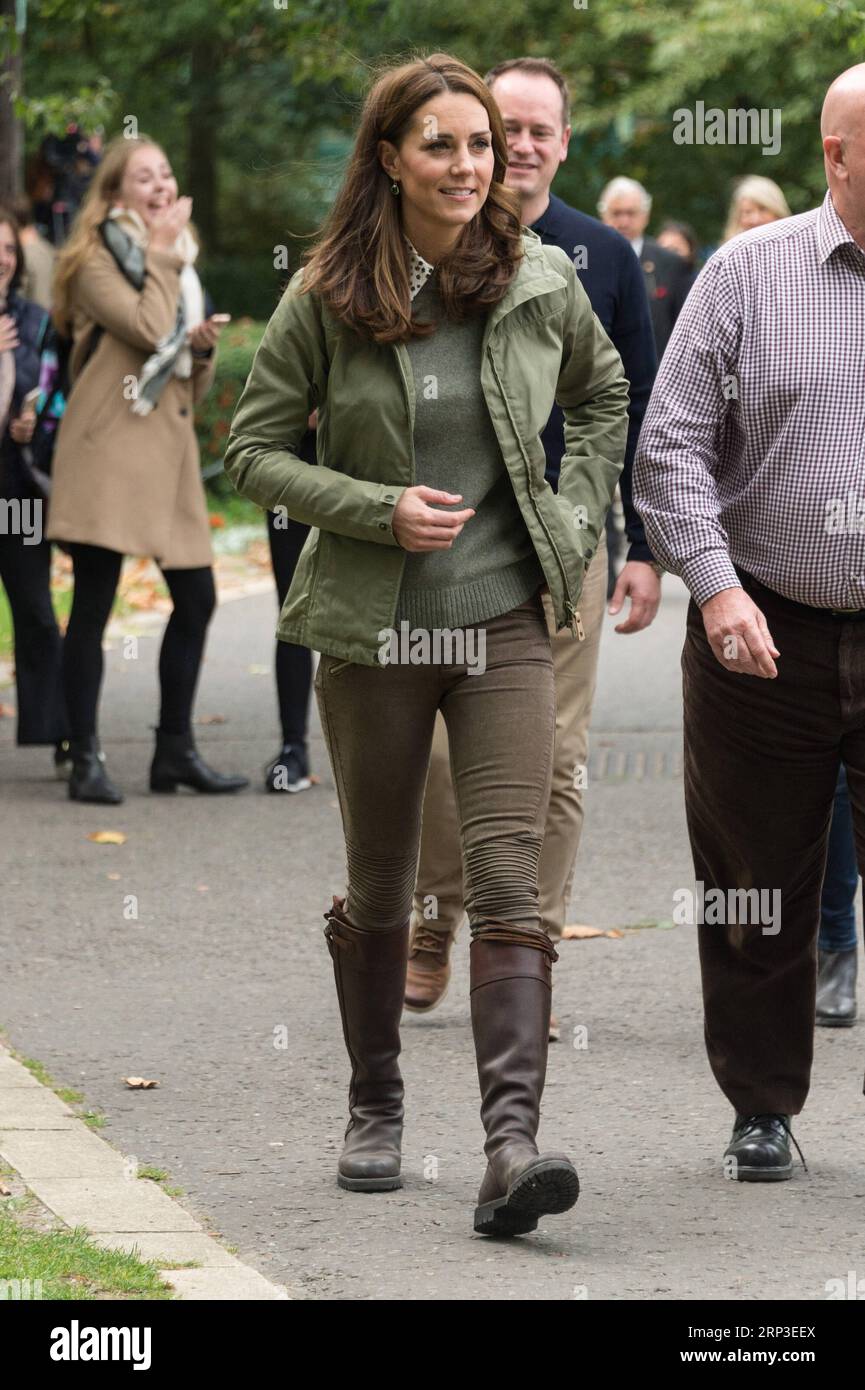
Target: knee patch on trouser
pixel 379 890
pixel 502 881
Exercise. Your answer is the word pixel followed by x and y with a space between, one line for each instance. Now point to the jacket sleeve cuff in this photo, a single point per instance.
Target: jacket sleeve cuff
pixel 384 507
pixel 709 573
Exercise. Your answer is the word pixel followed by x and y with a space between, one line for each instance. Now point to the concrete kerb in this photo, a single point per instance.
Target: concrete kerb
pixel 84 1181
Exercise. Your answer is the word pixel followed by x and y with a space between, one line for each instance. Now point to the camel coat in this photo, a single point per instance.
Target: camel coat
pixel 128 482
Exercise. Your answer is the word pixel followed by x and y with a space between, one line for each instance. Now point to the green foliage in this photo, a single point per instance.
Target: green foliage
pixel 282 81
pixel 237 347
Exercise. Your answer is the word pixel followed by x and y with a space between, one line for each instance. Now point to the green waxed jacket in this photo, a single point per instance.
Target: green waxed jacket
pixel 541 343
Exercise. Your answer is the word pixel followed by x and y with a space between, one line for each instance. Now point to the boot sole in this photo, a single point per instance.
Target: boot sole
pixel 163 787
pixel 547 1188
pixel 425 1008
pixel 764 1174
pixel 824 1022
pixel 369 1184
pixel 96 800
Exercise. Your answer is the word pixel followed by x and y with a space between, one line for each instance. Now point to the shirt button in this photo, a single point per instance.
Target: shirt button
pixel 382 525
pixel 388 497
pixel 183 410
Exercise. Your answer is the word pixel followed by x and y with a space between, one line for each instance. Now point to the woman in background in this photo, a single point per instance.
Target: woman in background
pixel 25 554
pixel 756 201
pixel 126 476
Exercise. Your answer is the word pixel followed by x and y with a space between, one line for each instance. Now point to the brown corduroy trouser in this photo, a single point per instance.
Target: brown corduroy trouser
pixel 761 764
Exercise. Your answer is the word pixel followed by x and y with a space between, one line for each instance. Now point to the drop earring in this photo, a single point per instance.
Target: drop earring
pixel 394 188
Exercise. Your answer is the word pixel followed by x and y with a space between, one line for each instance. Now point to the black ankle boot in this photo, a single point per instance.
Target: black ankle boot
pixel 289 771
pixel 88 780
pixel 836 988
pixel 177 763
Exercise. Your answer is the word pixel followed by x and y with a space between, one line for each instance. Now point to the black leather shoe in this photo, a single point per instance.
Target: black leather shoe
pixel 289 771
pixel 88 780
pixel 759 1150
pixel 177 763
pixel 836 988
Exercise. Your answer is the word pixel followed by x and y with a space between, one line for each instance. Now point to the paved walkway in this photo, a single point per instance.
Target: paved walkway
pixel 221 988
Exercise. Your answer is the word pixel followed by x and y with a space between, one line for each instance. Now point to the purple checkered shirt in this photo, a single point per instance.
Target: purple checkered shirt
pixel 751 452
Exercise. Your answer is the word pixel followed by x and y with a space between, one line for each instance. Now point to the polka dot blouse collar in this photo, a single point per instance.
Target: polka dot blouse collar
pixel 419 270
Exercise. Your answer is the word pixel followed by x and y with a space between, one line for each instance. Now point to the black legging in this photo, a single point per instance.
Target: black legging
pixel 25 571
pixel 97 573
pixel 293 663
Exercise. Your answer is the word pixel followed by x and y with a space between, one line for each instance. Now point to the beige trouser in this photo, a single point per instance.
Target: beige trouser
pixel 438 898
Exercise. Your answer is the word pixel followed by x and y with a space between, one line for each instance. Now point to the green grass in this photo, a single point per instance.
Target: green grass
pixel 69 1265
pixel 94 1119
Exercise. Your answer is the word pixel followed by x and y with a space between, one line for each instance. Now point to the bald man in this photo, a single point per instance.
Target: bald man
pixel 749 477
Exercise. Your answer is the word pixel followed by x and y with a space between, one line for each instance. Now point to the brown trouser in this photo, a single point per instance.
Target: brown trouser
pixel 761 764
pixel 439 897
pixel 378 726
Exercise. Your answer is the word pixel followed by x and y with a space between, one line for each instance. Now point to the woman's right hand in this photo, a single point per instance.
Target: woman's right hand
pixel 168 223
pixel 8 333
pixel 418 525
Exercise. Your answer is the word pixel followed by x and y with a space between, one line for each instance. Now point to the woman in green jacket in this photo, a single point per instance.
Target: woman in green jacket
pixel 432 334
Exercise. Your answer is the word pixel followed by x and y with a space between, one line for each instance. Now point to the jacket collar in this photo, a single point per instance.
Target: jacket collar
pixel 535 276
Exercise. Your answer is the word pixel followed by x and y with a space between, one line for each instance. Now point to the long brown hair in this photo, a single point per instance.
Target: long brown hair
pixel 359 265
pixel 98 201
pixel 8 217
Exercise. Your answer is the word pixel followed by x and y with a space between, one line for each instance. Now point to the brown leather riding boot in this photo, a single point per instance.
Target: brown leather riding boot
pixel 429 970
pixel 511 985
pixel 369 969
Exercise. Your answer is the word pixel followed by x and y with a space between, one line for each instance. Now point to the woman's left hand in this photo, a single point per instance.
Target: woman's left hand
pixel 204 336
pixel 22 427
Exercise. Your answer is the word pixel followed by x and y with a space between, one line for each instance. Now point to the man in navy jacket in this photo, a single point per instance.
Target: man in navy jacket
pixel 534 102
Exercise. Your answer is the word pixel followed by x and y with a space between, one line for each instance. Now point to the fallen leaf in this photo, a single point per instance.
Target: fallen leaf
pixel 580 933
pixel 4 1190
pixel 107 837
pixel 615 934
pixel 258 670
pixel 7 711
pixel 316 781
pixel 138 1083
pixel 202 888
pixel 113 876
pixel 211 719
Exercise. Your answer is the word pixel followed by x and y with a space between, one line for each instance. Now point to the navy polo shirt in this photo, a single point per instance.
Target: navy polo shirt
pixel 613 279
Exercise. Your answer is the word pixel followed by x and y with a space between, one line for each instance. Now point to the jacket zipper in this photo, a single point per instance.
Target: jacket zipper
pixel 575 622
pixel 409 405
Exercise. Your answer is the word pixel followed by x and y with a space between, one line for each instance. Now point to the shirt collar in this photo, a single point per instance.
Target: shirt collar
pixel 831 231
pixel 419 270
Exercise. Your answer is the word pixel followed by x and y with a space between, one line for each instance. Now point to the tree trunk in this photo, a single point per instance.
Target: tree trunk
pixel 11 142
pixel 203 131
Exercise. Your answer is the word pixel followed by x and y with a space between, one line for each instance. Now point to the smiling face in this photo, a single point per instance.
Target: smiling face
pixel 531 107
pixel 444 166
pixel 8 257
pixel 148 185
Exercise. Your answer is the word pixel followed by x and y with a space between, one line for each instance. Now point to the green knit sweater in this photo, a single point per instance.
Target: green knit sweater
pixel 492 565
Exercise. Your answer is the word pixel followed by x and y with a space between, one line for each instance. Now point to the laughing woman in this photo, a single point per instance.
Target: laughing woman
pixel 126 472
pixel 432 334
